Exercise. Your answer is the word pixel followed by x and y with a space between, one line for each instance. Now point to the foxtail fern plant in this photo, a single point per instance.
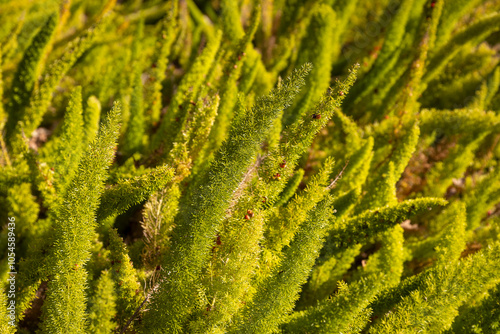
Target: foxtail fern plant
pixel 249 166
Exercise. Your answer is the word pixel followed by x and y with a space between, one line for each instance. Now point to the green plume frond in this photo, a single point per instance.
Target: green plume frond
pixel 68 147
pixel 238 61
pixel 460 77
pixel 164 48
pixel 406 86
pixel 479 201
pixel 118 198
pixel 283 227
pixel 452 242
pixel 193 136
pixel 344 9
pixel 405 149
pixel 200 19
pixel 452 12
pixel 479 99
pixel 453 166
pixel 74 227
pixel 330 267
pixel 292 10
pixel 446 52
pixel 187 92
pixel 458 121
pixel 399 153
pixel 283 52
pixel 290 188
pixel 487 91
pixel 339 313
pixel 353 140
pixel 298 137
pixel 28 72
pixel 137 44
pixel 344 202
pixel 447 244
pixel 33 267
pixel 440 293
pixel 202 124
pixel 381 191
pixel 98 262
pixel 5 326
pixel 40 100
pixel 42 177
pixel 125 278
pixel 388 54
pixel 10 176
pixel 277 294
pixel 158 218
pixel 102 306
pixel 9 33
pixel 493 85
pixel 371 222
pixel 480 317
pixel 437 17
pixel 231 20
pixel 249 74
pixel 223 293
pixel 134 136
pixel 359 165
pixel 91 117
pixel 301 133
pixel 396 32
pixel 395 89
pixel 317 48
pixel 133 140
pixel 389 259
pixel 21 205
pixel 201 218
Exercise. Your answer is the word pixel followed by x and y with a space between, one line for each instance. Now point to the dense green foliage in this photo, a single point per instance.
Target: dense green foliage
pixel 250 166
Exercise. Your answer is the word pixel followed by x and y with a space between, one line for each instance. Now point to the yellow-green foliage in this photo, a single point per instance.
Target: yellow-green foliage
pixel 91 116
pixel 28 71
pixel 74 225
pixel 125 279
pixel 250 166
pixel 67 149
pixel 102 306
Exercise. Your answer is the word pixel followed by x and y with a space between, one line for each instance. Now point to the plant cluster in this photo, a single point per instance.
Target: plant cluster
pixel 251 166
